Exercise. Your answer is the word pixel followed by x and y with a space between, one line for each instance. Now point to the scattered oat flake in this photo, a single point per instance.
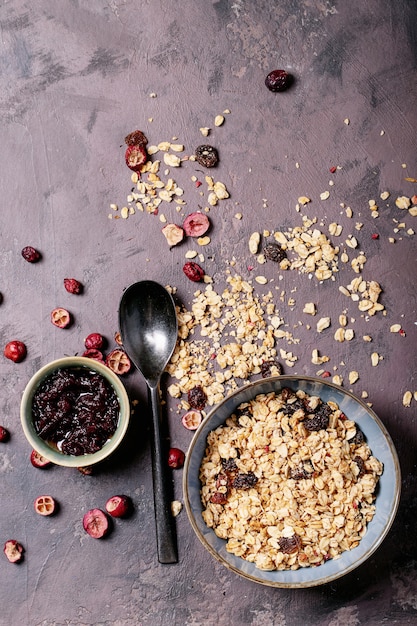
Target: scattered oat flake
pixel 407 397
pixel 203 241
pixel 346 121
pixel 374 359
pixel 262 280
pixel 325 195
pixel 310 308
pixel 254 241
pixel 411 180
pixel 219 120
pixel 395 328
pixel 353 377
pixel 304 200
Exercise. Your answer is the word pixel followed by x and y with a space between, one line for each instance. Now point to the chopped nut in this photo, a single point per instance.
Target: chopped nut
pixel 203 241
pixel 384 195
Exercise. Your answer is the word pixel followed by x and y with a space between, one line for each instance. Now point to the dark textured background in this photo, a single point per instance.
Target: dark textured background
pixel 75 77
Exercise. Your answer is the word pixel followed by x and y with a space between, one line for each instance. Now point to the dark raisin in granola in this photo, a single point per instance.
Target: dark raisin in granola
pixel 197 398
pixel 274 252
pixel 244 481
pixel 229 465
pixel 361 465
pixel 289 545
pixel 207 156
pixel 317 422
pixel 218 498
pixel 136 138
pixel 359 437
pixel 271 368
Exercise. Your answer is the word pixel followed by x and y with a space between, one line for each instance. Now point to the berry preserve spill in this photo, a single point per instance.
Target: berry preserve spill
pixel 75 409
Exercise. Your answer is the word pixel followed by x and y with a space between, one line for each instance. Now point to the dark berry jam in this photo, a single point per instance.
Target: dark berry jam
pixel 75 409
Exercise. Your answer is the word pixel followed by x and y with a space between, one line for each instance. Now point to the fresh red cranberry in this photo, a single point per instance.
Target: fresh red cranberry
pixel 118 361
pixel 193 271
pixel 94 341
pixel 97 355
pixel 15 351
pixel 13 551
pixel 278 80
pixel 176 458
pixel 4 434
pixel 31 255
pixel 61 317
pixel 196 224
pixel 39 461
pixel 96 523
pixel 72 285
pixel 135 157
pixel 45 505
pixel 119 506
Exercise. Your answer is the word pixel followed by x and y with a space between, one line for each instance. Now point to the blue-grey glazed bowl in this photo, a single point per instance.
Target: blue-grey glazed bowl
pixel 388 493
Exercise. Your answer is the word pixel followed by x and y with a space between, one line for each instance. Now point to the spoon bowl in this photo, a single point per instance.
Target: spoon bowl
pixel 149 328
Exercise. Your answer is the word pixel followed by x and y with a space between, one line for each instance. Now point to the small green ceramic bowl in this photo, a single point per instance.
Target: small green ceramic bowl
pixel 51 452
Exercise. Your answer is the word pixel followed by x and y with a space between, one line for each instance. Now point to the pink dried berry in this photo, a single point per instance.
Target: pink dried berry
pixel 176 458
pixel 72 285
pixel 15 351
pixel 45 505
pixel 119 506
pixel 196 224
pixel 278 80
pixel 39 461
pixel 61 317
pixel 96 523
pixel 13 551
pixel 118 362
pixel 31 255
pixel 97 355
pixel 4 434
pixel 193 271
pixel 135 157
pixel 94 341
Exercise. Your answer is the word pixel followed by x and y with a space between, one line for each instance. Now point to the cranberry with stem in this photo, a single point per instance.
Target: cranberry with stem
pixel 13 551
pixel 39 461
pixel 15 351
pixel 176 458
pixel 30 254
pixel 45 505
pixel 4 434
pixel 119 506
pixel 96 523
pixel 72 285
pixel 61 318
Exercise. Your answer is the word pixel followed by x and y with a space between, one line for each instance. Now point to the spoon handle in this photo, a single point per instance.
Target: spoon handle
pixel 165 532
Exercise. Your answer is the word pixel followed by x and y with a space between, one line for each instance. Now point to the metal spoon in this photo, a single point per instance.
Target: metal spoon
pixel 149 329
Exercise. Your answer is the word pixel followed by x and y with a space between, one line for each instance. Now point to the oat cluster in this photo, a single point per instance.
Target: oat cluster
pixel 289 481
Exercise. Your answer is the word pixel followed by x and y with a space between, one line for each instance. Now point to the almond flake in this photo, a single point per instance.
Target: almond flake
pixel 353 377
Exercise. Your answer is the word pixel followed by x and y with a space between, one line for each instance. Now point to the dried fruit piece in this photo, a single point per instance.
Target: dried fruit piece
pixel 4 434
pixel 206 155
pixel 135 157
pixel 39 461
pixel 96 523
pixel 45 505
pixel 61 318
pixel 97 355
pixel 173 234
pixel 15 351
pixel 191 419
pixel 72 285
pixel 289 545
pixel 119 506
pixel 13 551
pixel 94 341
pixel 274 252
pixel 118 362
pixel 197 398
pixel 176 458
pixel 193 271
pixel 196 224
pixel 244 480
pixel 279 80
pixel 30 254
pixel 136 138
pixel 86 470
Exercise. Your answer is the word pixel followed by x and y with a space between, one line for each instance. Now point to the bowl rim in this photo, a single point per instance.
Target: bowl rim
pixel 280 583
pixel 41 446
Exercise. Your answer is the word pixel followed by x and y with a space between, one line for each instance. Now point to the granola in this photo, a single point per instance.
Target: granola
pixel 288 481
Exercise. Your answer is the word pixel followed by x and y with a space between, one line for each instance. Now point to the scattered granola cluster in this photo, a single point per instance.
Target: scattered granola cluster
pixel 289 481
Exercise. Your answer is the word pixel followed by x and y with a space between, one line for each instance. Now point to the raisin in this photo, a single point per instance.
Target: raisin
pixel 30 254
pixel 286 393
pixel 244 481
pixel 289 545
pixel 361 465
pixel 274 252
pixel 279 80
pixel 229 465
pixel 218 498
pixel 136 138
pixel 197 398
pixel 302 472
pixel 207 156
pixel 317 422
pixel 271 368
pixel 193 271
pixel 359 437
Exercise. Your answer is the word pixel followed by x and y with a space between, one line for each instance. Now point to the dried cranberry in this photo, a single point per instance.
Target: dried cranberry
pixel 136 138
pixel 196 224
pixel 274 252
pixel 96 523
pixel 4 434
pixel 279 80
pixel 135 157
pixel 176 458
pixel 193 271
pixel 45 505
pixel 72 285
pixel 39 461
pixel 15 351
pixel 13 551
pixel 207 156
pixel 289 545
pixel 94 341
pixel 118 362
pixel 244 481
pixel 61 317
pixel 218 498
pixel 31 255
pixel 97 355
pixel 197 398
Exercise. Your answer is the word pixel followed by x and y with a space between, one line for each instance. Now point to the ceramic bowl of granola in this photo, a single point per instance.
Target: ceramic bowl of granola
pixel 291 482
pixel 74 412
